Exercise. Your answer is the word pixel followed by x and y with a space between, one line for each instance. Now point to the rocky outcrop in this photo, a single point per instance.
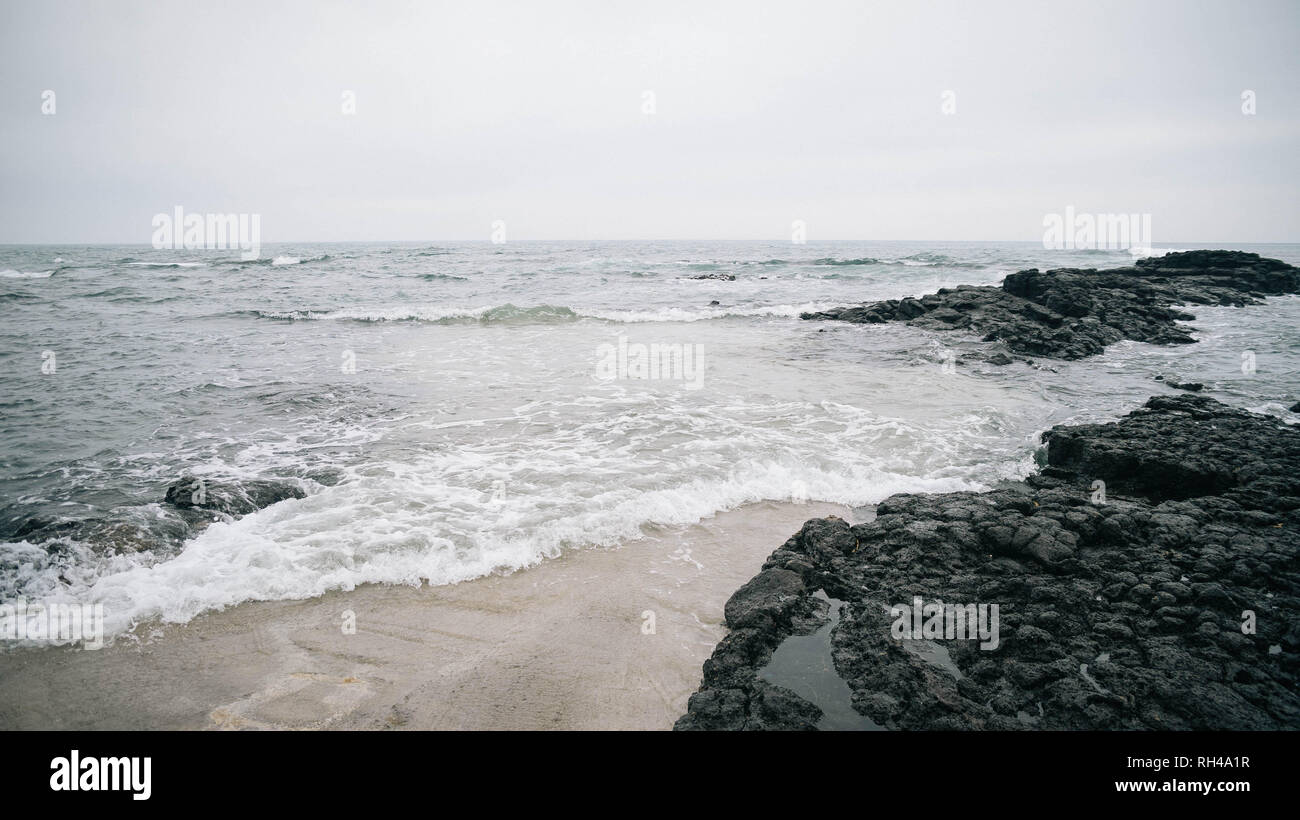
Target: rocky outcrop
pixel 1147 578
pixel 1070 313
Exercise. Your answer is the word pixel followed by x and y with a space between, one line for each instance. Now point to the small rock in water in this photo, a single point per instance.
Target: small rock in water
pixel 1195 387
pixel 235 498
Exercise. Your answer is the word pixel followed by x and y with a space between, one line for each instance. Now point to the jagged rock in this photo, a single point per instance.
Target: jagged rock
pixel 765 599
pixel 1185 446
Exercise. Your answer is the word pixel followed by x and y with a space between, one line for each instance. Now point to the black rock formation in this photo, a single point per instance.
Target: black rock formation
pixel 1147 578
pixel 1071 313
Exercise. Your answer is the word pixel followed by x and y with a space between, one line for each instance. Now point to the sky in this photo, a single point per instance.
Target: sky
pixel 635 120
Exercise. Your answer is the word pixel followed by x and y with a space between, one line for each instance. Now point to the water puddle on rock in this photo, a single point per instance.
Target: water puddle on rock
pixel 803 664
pixel 933 654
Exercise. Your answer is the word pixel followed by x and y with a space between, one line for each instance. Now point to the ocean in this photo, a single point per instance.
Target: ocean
pixel 462 409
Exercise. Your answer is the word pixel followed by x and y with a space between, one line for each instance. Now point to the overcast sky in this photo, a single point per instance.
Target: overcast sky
pixel 764 112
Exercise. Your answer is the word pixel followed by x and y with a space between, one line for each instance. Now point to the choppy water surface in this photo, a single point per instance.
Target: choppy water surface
pixel 443 408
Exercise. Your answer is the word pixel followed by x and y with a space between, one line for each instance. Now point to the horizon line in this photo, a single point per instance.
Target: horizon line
pixel 678 239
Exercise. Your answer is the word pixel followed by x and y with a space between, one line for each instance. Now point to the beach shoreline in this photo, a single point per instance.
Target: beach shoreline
pixel 565 644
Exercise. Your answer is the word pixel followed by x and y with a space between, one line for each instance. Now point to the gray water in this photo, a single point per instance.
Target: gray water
pixel 475 431
pixel 804 664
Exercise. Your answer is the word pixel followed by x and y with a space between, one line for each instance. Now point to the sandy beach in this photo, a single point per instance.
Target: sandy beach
pixel 566 644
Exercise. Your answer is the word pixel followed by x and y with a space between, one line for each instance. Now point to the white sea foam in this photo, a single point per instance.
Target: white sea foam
pixel 18 274
pixel 453 514
pixel 1142 253
pixel 389 530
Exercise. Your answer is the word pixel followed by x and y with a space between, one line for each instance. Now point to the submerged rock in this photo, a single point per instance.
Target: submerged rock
pixel 1193 387
pixel 1070 313
pixel 1148 578
pixel 233 498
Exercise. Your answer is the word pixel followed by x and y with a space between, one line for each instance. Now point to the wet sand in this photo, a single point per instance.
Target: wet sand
pixel 595 639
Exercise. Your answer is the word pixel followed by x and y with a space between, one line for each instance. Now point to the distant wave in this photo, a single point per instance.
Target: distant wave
pixel 934 260
pixel 677 314
pixel 916 260
pixel 18 274
pixel 276 261
pixel 507 313
pixel 434 277
pixel 282 260
pixel 539 314
pixel 713 264
pixel 121 290
pixel 866 260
